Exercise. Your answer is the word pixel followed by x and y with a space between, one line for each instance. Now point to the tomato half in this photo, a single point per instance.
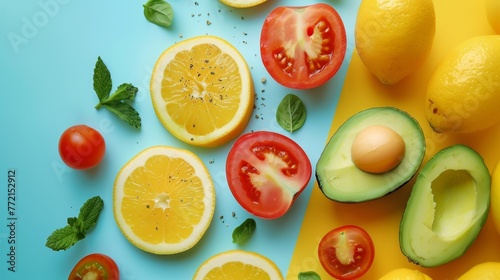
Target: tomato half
pixel 266 172
pixel 303 47
pixel 346 252
pixel 95 267
pixel 81 147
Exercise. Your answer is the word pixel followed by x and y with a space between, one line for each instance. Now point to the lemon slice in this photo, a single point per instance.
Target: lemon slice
pixel 242 3
pixel 164 200
pixel 202 91
pixel 238 264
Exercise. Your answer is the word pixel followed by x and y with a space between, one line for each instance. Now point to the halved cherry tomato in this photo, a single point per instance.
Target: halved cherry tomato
pixel 346 252
pixel 303 47
pixel 266 172
pixel 95 267
pixel 81 147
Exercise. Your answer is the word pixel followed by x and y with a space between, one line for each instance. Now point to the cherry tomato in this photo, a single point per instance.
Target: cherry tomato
pixel 303 47
pixel 96 267
pixel 346 252
pixel 266 172
pixel 81 147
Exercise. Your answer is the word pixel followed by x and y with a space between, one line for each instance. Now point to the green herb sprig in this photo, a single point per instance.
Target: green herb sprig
pixel 244 231
pixel 291 113
pixel 77 228
pixel 117 102
pixel 159 12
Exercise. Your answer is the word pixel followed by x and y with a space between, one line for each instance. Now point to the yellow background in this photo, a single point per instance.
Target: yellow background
pixel 456 20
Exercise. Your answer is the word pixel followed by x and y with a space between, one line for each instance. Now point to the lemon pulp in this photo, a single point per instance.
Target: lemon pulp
pixel 202 91
pixel 164 200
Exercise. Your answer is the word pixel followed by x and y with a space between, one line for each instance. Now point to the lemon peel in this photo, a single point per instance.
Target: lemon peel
pixel 483 271
pixel 463 92
pixel 238 264
pixel 242 3
pixel 394 37
pixel 493 14
pixel 405 274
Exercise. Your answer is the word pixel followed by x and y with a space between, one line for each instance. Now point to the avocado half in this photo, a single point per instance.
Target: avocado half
pixel 338 177
pixel 447 208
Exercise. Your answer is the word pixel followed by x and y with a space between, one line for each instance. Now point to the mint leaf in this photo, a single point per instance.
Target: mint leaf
pixel 123 92
pixel 309 275
pixel 244 231
pixel 291 113
pixel 116 103
pixel 159 12
pixel 72 221
pixel 102 80
pixel 125 112
pixel 90 212
pixel 64 238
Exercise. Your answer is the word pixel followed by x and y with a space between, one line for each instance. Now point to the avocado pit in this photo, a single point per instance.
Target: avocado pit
pixel 377 149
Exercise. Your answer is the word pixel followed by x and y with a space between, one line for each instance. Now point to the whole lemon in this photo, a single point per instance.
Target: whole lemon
pixel 393 37
pixel 483 271
pixel 405 274
pixel 463 93
pixel 493 14
pixel 495 197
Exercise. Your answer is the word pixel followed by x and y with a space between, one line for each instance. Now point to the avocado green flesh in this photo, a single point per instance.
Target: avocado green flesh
pixel 339 178
pixel 447 207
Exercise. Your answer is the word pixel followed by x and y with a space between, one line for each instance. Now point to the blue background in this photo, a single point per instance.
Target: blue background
pixel 48 50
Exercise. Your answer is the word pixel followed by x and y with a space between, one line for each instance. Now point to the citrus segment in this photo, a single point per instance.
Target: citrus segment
pixel 202 91
pixel 164 200
pixel 238 264
pixel 242 3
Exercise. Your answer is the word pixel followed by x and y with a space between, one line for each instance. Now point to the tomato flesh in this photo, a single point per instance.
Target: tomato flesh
pixel 346 252
pixel 266 172
pixel 95 267
pixel 81 147
pixel 303 47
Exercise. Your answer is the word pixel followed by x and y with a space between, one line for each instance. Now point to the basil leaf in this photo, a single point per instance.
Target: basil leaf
pixel 159 12
pixel 243 231
pixel 309 275
pixel 291 113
